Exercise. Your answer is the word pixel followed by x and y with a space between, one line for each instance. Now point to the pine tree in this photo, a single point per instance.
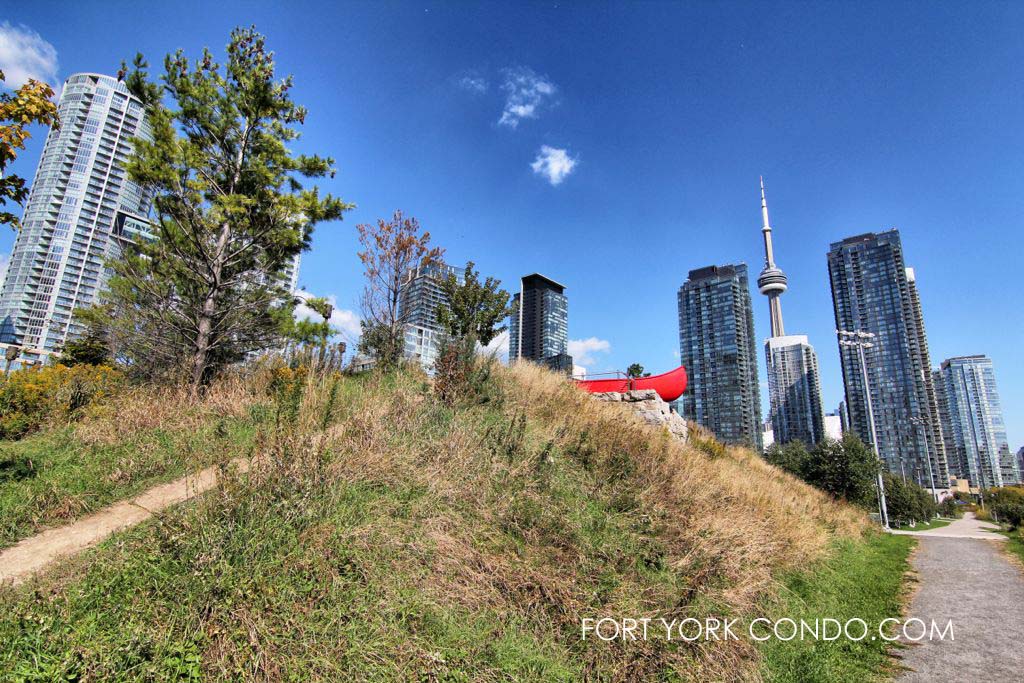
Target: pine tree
pixel 230 213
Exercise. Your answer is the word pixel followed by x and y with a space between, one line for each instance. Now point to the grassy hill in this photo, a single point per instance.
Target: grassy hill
pixel 383 535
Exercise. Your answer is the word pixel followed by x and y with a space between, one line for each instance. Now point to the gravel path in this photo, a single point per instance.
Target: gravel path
pixel 965 527
pixel 35 553
pixel 972 582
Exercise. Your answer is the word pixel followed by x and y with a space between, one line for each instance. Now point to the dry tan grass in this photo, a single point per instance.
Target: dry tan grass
pixel 741 477
pixel 144 408
pixel 493 526
pixel 728 525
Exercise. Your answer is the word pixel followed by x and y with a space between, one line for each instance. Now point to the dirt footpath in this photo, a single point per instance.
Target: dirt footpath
pixel 35 553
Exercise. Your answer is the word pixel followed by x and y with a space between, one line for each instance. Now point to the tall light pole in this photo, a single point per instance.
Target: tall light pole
pixel 919 422
pixel 861 341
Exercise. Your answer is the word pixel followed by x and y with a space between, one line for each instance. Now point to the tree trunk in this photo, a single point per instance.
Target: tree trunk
pixel 205 322
pixel 199 360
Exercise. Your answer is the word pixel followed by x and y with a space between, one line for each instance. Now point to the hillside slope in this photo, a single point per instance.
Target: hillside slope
pixel 382 535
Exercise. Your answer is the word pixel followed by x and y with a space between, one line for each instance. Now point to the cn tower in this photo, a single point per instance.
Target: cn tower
pixel 771 281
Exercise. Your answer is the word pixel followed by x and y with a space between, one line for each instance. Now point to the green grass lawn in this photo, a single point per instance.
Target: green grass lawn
pixel 52 478
pixel 1015 544
pixel 862 579
pixel 925 526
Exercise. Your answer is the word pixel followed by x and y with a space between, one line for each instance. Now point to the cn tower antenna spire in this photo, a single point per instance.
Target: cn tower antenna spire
pixel 766 230
pixel 772 281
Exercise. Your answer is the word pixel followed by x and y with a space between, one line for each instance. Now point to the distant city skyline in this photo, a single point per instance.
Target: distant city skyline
pixel 620 192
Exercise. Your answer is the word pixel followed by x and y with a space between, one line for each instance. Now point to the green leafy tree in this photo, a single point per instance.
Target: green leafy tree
pixel 31 103
pixel 231 213
pixel 792 457
pixel 392 249
pixel 906 501
pixel 846 469
pixel 635 370
pixel 950 508
pixel 475 309
pixel 1006 504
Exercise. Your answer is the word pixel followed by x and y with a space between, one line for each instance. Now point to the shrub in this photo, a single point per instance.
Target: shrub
pixel 1006 505
pixel 792 457
pixel 463 376
pixel 846 469
pixel 950 508
pixel 32 397
pixel 908 502
pixel 91 349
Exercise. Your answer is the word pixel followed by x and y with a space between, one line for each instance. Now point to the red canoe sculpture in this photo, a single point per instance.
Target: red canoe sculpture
pixel 669 385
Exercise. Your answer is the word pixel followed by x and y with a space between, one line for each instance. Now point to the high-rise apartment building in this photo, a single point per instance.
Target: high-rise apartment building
pixel 421 295
pixel 794 390
pixel 972 422
pixel 716 344
pixel 81 210
pixel 794 380
pixel 874 292
pixel 539 324
pixel 290 274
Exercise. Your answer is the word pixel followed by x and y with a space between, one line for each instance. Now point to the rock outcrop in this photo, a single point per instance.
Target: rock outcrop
pixel 651 408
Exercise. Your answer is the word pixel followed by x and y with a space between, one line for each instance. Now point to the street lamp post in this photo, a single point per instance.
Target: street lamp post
pixel 861 341
pixel 919 422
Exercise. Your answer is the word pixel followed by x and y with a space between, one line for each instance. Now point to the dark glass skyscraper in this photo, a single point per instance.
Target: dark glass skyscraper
pixel 716 344
pixel 972 422
pixel 873 291
pixel 539 324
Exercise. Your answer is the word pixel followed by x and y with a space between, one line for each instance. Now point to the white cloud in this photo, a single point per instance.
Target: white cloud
pixel 345 321
pixel 525 92
pixel 498 347
pixel 583 350
pixel 473 83
pixel 24 55
pixel 554 164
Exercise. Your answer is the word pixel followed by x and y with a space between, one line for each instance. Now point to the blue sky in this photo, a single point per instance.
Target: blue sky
pixel 656 120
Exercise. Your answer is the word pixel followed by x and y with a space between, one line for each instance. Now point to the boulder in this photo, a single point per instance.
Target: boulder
pixel 650 408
